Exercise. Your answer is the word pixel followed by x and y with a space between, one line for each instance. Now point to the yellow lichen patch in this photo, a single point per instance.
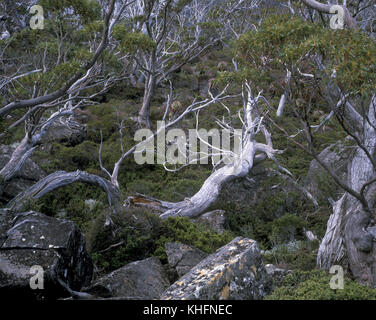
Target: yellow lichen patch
pixel 225 292
pixel 216 277
pixel 230 270
pixel 202 273
pixel 254 269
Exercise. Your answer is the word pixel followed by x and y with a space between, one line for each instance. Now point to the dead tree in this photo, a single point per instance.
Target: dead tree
pixel 63 101
pixel 251 152
pixel 180 33
pixel 110 183
pixel 351 230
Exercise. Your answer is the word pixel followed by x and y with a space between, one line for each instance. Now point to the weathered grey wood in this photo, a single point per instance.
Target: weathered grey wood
pixel 325 8
pixel 60 179
pixel 348 240
pixel 240 166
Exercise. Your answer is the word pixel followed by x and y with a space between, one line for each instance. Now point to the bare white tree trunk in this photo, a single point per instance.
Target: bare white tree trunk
pixel 326 8
pixel 60 179
pixel 143 117
pixel 240 166
pixel 349 239
pixel 209 191
pixel 19 156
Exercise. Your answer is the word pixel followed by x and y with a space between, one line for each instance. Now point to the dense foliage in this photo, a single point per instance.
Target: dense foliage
pixel 140 234
pixel 315 285
pixel 195 54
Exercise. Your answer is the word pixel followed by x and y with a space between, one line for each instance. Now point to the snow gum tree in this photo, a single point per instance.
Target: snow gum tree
pixel 311 68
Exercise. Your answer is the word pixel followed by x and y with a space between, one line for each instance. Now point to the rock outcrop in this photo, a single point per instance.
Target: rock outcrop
pixel 182 257
pixel 140 280
pixel 213 219
pixel 236 271
pixel 57 246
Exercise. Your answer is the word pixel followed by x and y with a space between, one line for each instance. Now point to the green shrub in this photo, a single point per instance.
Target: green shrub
pixel 182 230
pixel 69 203
pixel 136 234
pixel 315 285
pixel 287 228
pixel 247 224
pixel 132 236
pixel 294 255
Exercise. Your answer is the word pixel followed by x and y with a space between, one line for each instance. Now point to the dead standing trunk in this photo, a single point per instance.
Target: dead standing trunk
pixel 350 236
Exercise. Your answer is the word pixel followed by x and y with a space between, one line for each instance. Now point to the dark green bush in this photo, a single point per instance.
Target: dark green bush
pixel 132 236
pixel 183 230
pixel 136 234
pixel 287 228
pixel 302 258
pixel 315 285
pixel 69 203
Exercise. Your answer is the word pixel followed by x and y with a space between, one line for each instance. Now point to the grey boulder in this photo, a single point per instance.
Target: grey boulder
pixel 276 273
pixel 236 271
pixel 57 246
pixel 213 219
pixel 182 257
pixel 68 131
pixel 140 280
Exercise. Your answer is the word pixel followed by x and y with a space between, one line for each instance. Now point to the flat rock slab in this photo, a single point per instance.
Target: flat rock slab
pixel 236 271
pixel 140 280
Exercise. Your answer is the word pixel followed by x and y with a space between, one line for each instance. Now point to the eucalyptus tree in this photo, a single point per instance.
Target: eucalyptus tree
pixel 108 181
pixel 232 165
pixel 48 73
pixel 315 67
pixel 164 35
